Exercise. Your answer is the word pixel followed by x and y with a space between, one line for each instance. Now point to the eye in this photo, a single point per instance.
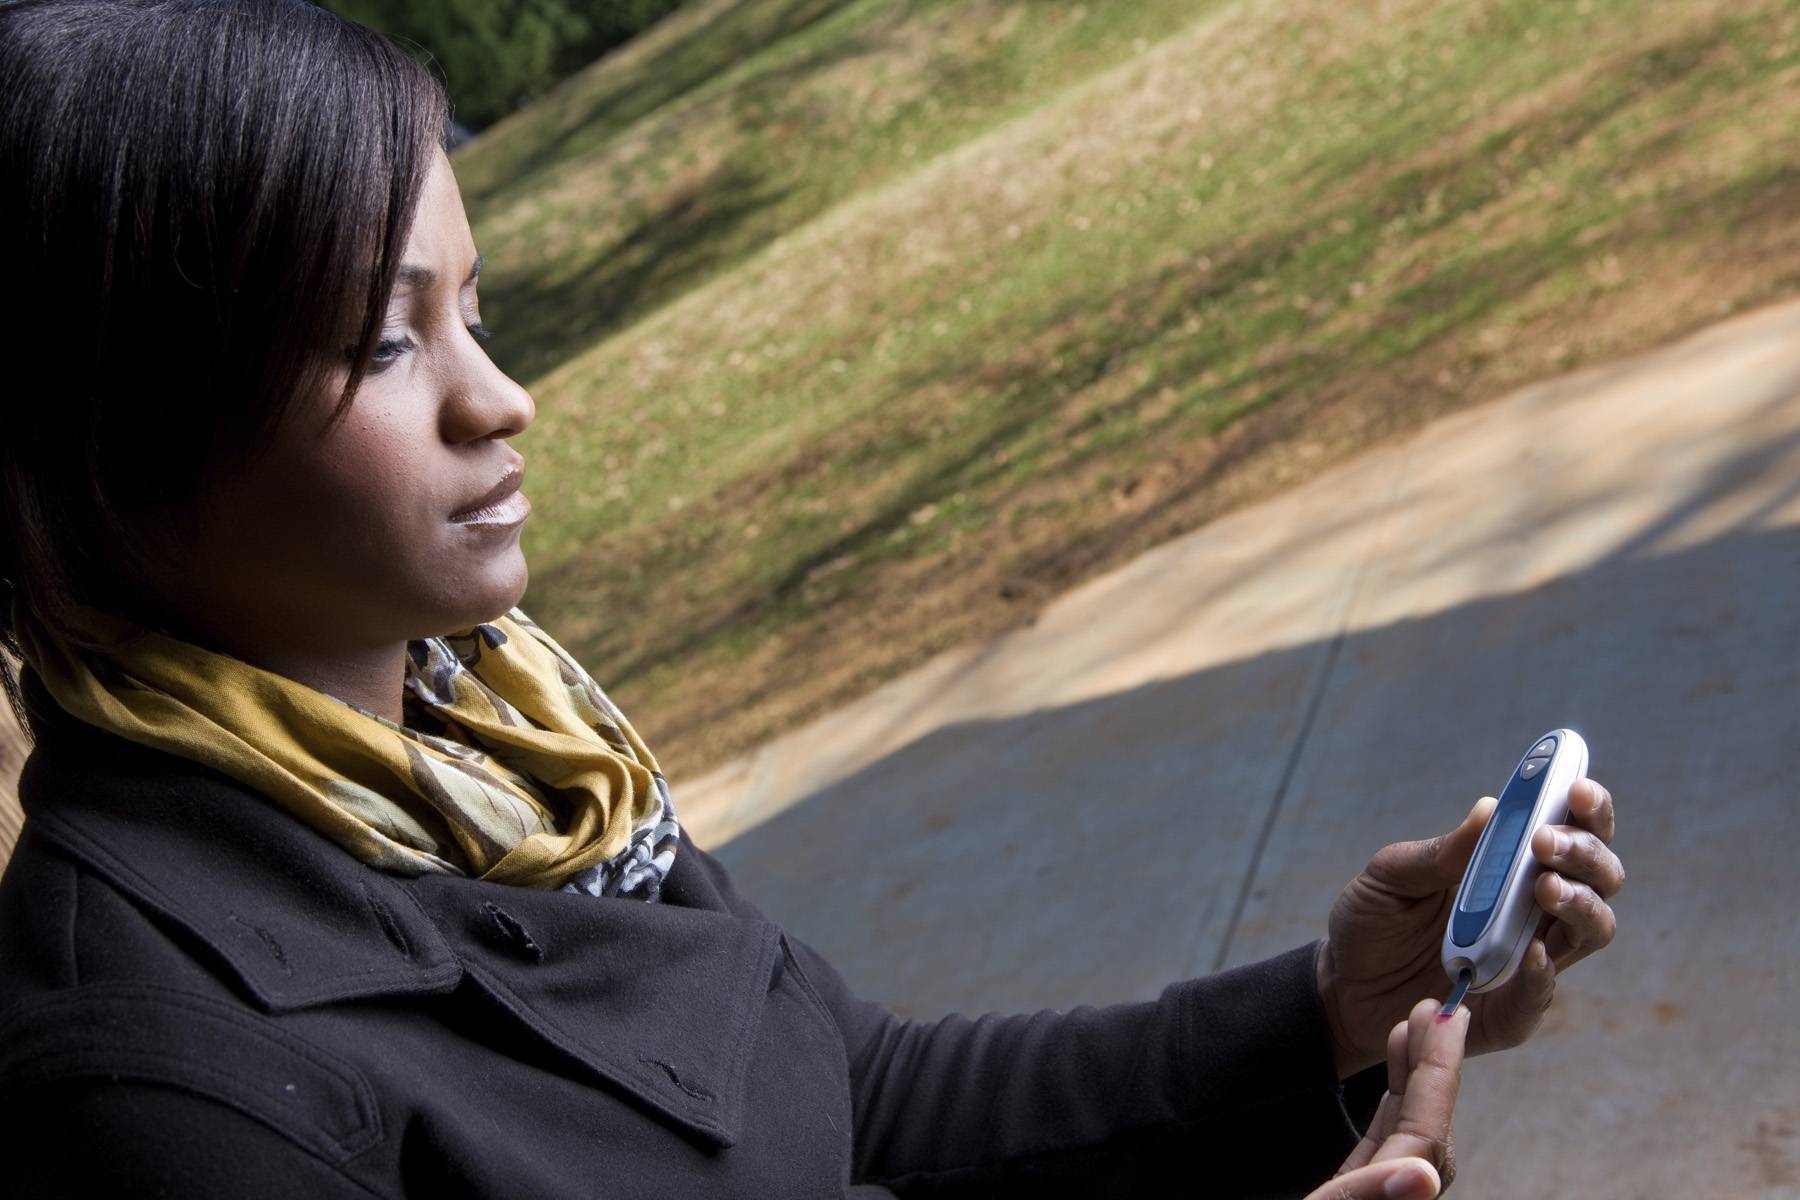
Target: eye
pixel 388 350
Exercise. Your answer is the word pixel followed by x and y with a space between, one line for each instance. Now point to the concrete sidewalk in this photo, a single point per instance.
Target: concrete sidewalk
pixel 1178 767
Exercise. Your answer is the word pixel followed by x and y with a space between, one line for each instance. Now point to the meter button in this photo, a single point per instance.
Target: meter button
pixel 1532 767
pixel 1543 749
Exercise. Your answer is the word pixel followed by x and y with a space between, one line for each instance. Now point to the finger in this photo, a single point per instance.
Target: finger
pixel 1563 954
pixel 1397 1061
pixel 1591 806
pixel 1418 1024
pixel 1432 864
pixel 1580 855
pixel 1398 1066
pixel 1584 922
pixel 1379 1128
pixel 1518 1008
pixel 1396 1179
pixel 1422 1126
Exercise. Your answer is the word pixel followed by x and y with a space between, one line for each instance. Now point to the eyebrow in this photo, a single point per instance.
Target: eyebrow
pixel 423 277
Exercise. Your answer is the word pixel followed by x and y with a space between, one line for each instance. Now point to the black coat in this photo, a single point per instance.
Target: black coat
pixel 200 996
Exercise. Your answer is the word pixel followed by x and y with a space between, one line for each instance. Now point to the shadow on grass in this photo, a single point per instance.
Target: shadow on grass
pixel 572 576
pixel 571 317
pixel 686 241
pixel 1016 397
pixel 1444 302
pixel 740 31
pixel 1021 393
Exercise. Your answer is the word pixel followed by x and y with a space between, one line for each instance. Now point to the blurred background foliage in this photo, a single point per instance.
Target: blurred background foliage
pixel 496 56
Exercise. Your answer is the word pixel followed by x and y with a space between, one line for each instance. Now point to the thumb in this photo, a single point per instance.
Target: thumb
pixel 1435 863
pixel 1395 1179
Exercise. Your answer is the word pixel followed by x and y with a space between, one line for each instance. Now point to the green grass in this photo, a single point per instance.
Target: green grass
pixel 857 329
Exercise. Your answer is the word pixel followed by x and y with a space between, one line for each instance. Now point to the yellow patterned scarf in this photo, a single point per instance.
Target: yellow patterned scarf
pixel 521 772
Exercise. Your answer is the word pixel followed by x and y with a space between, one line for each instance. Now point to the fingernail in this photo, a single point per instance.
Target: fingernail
pixel 1415 1181
pixel 1563 842
pixel 1564 889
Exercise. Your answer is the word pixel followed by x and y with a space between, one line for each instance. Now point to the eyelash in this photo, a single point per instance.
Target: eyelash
pixel 389 350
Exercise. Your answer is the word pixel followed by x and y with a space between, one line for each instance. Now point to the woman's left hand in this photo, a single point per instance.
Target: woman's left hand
pixel 1381 951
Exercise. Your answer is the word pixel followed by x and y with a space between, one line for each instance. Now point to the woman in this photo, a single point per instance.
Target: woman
pixel 341 877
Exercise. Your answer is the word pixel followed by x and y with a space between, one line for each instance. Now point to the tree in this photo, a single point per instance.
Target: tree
pixel 496 55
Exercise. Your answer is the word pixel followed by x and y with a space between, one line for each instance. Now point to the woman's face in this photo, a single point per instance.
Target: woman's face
pixel 343 539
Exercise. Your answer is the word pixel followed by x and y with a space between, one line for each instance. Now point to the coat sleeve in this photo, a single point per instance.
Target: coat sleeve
pixel 1222 1084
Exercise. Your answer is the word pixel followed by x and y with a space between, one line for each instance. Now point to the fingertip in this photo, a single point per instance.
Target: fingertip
pixel 1412 1179
pixel 1397 1057
pixel 1404 1177
pixel 1537 957
pixel 1458 1022
pixel 1537 983
pixel 1550 891
pixel 1593 808
pixel 1421 1025
pixel 1449 852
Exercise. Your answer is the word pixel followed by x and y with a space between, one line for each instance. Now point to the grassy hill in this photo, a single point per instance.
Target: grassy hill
pixel 859 329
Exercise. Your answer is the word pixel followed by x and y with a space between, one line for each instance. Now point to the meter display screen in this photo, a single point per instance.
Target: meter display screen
pixel 1506 829
pixel 1490 873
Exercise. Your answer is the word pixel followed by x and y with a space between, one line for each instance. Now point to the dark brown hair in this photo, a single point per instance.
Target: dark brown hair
pixel 203 204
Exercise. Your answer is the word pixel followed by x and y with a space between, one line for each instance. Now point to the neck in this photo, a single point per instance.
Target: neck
pixel 369 673
pixel 373 679
pixel 369 676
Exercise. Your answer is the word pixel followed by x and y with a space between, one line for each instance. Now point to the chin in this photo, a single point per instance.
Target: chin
pixel 495 597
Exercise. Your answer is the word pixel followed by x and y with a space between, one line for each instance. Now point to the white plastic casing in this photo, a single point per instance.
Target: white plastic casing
pixel 1497 952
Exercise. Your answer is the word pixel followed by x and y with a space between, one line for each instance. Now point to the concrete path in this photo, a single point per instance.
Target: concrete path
pixel 1179 766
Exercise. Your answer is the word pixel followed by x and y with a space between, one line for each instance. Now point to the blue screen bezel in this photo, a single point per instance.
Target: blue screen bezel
pixel 1466 925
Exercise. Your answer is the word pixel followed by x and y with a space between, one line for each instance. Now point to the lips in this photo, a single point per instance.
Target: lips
pixel 515 476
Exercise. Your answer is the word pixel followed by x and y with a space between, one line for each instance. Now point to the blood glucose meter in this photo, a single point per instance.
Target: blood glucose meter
pixel 1496 910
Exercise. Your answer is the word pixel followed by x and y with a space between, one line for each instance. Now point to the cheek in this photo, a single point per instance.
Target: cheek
pixel 375 478
pixel 358 506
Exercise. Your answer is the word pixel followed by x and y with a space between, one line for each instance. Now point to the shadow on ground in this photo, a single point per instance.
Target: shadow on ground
pixel 1096 852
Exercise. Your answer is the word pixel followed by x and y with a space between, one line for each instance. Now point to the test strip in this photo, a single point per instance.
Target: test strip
pixel 1463 979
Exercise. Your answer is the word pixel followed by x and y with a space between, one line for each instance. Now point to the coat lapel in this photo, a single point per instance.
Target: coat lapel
pixel 663 1000
pixel 287 916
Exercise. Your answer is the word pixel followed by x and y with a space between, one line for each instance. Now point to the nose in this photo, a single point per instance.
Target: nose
pixel 484 401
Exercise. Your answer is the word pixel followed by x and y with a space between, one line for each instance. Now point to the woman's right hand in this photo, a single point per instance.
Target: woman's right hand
pixel 1406 1154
